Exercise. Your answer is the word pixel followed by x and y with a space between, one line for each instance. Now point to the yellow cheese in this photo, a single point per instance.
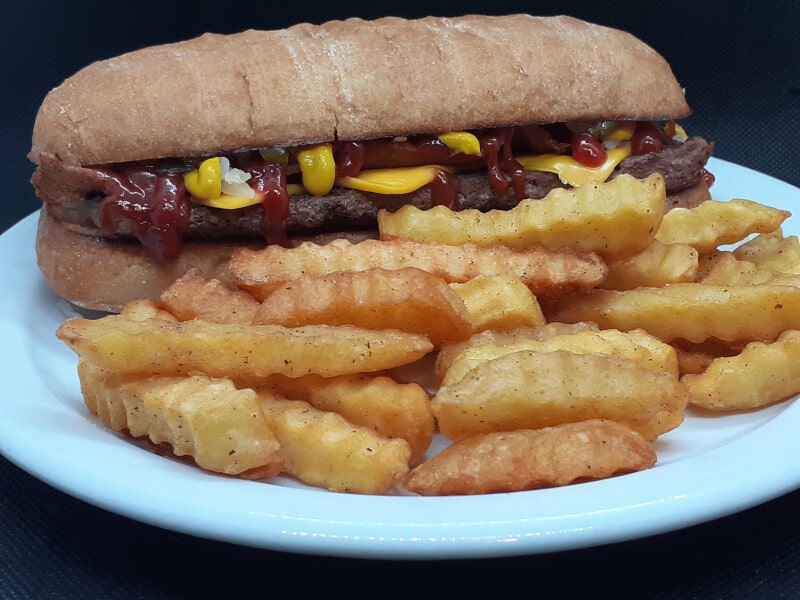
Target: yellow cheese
pixel 621 131
pixel 570 171
pixel 317 168
pixel 391 181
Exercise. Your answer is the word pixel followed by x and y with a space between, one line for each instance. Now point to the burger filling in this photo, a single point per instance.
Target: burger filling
pixel 276 193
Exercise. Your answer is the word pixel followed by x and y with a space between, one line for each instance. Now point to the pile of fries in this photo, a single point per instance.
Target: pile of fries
pixel 549 344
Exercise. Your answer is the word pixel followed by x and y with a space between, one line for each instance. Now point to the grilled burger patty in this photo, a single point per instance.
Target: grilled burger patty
pixel 76 194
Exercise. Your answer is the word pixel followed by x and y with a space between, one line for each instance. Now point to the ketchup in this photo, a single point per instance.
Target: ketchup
pixel 503 170
pixel 349 158
pixel 269 181
pixel 646 139
pixel 588 150
pixel 154 206
pixel 708 177
pixel 444 190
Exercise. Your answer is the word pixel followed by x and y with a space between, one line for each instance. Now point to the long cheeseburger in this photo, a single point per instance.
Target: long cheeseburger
pixel 173 156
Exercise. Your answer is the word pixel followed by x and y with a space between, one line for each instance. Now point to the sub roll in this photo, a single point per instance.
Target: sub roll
pixel 173 156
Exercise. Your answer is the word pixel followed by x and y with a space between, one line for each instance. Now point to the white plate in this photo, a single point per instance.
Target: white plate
pixel 709 467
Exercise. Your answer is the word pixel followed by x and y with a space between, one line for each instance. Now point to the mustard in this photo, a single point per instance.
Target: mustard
pixel 318 169
pixel 205 182
pixel 461 141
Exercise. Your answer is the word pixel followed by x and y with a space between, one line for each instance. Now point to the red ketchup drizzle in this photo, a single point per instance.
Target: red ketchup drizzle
pixel 708 177
pixel 505 170
pixel 646 139
pixel 588 150
pixel 444 190
pixel 349 158
pixel 269 181
pixel 154 206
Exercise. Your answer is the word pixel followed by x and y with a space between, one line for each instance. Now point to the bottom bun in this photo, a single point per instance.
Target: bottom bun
pixel 103 275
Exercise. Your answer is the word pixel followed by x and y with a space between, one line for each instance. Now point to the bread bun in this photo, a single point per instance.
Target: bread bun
pixel 349 80
pixel 99 274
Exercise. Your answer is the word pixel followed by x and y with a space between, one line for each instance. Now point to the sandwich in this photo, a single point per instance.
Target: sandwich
pixel 172 157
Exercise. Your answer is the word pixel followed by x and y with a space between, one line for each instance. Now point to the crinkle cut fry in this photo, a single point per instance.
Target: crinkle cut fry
pixel 406 299
pixel 529 459
pixel 548 274
pixel 235 349
pixel 223 429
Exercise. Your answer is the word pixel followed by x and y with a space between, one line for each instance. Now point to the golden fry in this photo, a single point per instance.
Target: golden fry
pixel 772 251
pixel 695 358
pixel 546 273
pixel 499 302
pixel 394 410
pixel 657 265
pixel 638 346
pixel 220 427
pixel 237 350
pixel 141 310
pixel 692 311
pixel 617 218
pixel 530 390
pixel 724 268
pixel 406 299
pixel 446 355
pixel 714 223
pixel 323 449
pixel 528 459
pixel 760 375
pixel 195 297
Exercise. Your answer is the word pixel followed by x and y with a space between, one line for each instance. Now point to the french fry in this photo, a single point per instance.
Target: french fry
pixel 446 355
pixel 618 218
pixel 195 297
pixel 394 410
pixel 638 346
pixel 406 299
pixel 528 459
pixel 530 390
pixel 657 265
pixel 546 273
pixel 237 350
pixel 694 358
pixel 714 223
pixel 692 311
pixel 323 449
pixel 220 427
pixel 98 387
pixel 724 268
pixel 500 303
pixel 760 375
pixel 772 251
pixel 141 310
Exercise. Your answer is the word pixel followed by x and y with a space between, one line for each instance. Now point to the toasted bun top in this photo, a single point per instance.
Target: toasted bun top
pixel 350 80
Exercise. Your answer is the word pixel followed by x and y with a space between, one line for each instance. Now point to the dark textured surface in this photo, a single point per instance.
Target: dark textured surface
pixel 740 63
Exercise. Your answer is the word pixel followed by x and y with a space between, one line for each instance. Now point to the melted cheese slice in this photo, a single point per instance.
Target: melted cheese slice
pixel 391 181
pixel 570 171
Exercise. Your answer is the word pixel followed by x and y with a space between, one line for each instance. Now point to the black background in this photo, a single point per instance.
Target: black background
pixel 740 65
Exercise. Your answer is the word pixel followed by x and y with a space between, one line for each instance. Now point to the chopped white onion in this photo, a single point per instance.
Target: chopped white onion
pixel 237 188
